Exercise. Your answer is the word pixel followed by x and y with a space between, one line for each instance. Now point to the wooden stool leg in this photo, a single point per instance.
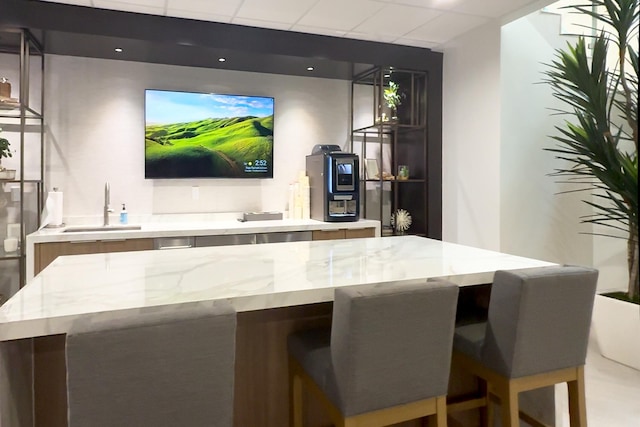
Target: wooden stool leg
pixel 295 394
pixel 577 400
pixel 486 412
pixel 510 416
pixel 441 411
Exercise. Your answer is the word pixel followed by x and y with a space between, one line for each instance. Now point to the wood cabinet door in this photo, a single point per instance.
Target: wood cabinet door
pixel 328 234
pixel 357 233
pixel 45 253
pixel 126 245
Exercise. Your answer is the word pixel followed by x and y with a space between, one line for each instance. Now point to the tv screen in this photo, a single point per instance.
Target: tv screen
pixel 205 135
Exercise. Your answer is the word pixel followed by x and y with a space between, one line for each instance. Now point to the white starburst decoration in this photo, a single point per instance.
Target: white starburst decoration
pixel 401 220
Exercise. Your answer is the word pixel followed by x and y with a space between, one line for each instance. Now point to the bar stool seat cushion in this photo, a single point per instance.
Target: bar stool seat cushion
pixel 311 349
pixel 469 339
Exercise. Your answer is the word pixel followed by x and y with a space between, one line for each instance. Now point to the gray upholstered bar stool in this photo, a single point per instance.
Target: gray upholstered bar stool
pixel 170 366
pixel 386 358
pixel 536 336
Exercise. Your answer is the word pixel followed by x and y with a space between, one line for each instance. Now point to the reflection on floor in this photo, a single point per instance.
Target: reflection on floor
pixel 613 393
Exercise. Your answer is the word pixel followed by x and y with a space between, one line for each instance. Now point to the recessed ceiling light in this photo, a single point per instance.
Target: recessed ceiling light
pixel 118 49
pixel 309 68
pixel 222 59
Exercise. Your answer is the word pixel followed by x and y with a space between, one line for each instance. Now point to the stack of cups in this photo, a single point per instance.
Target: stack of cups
pixel 305 196
pixel 300 198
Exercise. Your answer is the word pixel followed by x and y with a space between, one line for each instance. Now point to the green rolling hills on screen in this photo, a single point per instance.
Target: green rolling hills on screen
pixel 209 148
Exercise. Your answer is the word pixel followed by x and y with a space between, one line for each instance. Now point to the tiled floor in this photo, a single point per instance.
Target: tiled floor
pixel 613 393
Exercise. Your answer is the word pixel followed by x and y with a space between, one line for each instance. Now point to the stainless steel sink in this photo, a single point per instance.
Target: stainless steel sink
pixel 101 228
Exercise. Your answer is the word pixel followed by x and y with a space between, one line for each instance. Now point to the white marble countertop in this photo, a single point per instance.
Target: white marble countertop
pixel 195 228
pixel 186 226
pixel 252 277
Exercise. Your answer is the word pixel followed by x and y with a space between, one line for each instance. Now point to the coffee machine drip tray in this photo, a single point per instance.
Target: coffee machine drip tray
pixel 343 208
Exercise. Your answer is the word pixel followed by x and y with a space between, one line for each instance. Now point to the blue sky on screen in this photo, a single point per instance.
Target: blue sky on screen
pixel 166 107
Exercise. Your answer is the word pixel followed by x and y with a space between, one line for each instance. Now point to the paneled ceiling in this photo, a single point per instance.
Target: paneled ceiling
pixel 419 23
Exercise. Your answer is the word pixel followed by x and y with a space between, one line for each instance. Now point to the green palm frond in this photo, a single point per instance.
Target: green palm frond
pixel 598 143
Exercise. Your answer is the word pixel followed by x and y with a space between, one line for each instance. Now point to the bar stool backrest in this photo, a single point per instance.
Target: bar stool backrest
pixel 539 319
pixel 391 343
pixel 169 366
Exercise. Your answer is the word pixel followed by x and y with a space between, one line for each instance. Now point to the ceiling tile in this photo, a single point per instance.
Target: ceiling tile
pixel 287 11
pixel 340 14
pixel 433 4
pixel 212 7
pixel 491 8
pixel 131 7
pixel 409 22
pixel 395 21
pixel 446 26
pixel 261 24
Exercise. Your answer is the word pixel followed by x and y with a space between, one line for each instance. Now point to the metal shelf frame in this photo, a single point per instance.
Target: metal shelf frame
pixel 396 141
pixel 25 117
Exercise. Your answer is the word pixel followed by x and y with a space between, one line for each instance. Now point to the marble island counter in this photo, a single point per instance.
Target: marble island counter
pixel 277 289
pixel 251 277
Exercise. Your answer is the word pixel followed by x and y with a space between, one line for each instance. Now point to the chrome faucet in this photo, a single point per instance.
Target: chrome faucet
pixel 107 208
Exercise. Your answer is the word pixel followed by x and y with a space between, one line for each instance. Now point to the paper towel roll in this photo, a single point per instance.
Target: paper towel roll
pixel 52 214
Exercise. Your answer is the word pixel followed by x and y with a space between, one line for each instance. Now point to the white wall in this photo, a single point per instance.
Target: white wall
pixel 95 117
pixel 543 224
pixel 538 222
pixel 496 190
pixel 471 139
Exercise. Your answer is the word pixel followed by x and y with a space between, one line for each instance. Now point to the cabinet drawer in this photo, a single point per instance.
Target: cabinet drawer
pixel 225 240
pixel 358 233
pixel 45 253
pixel 173 242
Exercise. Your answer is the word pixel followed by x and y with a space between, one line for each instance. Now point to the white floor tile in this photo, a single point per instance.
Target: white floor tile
pixel 613 393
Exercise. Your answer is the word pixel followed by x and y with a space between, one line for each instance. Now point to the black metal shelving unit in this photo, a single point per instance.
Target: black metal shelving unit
pixel 22 121
pixel 390 138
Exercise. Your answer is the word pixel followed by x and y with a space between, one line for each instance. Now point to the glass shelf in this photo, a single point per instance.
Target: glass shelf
pixel 4 256
pixel 15 111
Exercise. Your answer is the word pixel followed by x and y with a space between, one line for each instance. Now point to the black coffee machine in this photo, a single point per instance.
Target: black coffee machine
pixel 334 180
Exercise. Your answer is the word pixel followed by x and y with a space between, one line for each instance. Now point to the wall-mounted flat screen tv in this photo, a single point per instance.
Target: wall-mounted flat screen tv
pixel 205 135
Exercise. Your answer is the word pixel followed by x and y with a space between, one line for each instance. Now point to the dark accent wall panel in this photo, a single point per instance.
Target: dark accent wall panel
pixel 89 32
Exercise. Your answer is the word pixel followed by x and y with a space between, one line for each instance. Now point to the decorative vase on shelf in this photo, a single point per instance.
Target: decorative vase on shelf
pixel 5 152
pixel 5 88
pixel 400 222
pixel 393 100
pixel 7 174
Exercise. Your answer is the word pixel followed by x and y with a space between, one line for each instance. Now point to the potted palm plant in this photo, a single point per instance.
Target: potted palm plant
pixel 5 152
pixel 599 142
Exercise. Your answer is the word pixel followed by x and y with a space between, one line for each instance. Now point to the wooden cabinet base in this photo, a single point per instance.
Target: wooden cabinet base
pixel 349 233
pixel 45 253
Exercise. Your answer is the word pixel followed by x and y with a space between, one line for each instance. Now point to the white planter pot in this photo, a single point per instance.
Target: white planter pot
pixel 616 327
